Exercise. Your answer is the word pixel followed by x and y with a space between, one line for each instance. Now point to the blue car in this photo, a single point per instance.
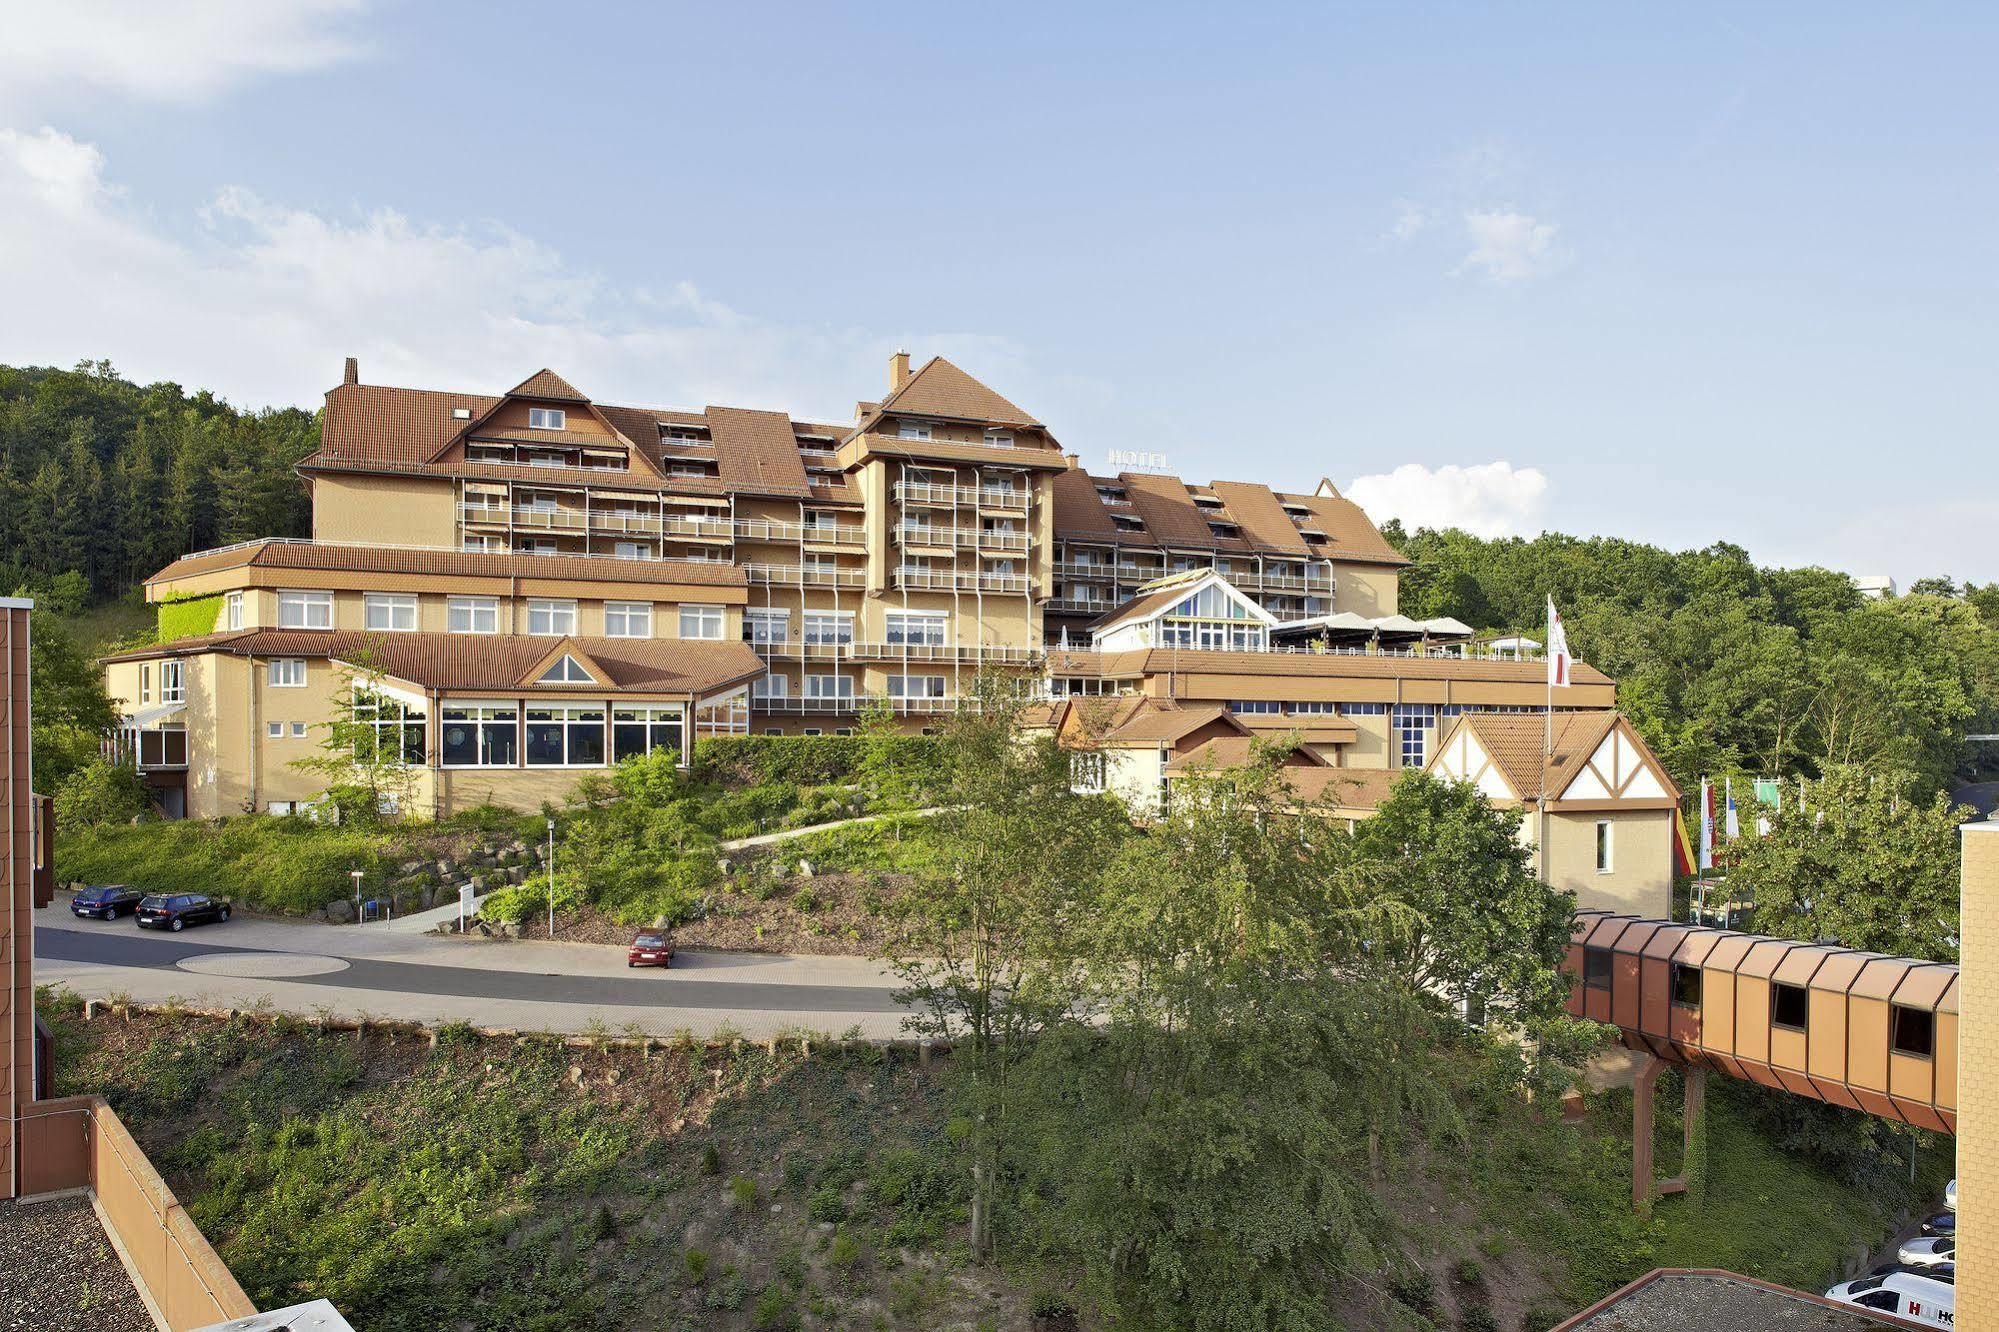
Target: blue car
pixel 106 901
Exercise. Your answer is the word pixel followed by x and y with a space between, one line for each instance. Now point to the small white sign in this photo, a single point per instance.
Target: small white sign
pixel 1136 460
pixel 464 904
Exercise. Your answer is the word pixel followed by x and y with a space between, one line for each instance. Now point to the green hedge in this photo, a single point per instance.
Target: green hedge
pixel 809 760
pixel 273 864
pixel 186 619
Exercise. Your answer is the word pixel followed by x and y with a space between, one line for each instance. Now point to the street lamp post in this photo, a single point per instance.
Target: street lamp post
pixel 551 879
pixel 356 876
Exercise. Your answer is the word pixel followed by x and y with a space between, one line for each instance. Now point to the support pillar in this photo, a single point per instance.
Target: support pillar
pixel 1693 1168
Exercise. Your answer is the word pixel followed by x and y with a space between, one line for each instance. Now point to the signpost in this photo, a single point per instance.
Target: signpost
pixel 464 904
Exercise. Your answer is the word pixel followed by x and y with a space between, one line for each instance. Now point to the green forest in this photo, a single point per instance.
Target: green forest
pixel 1724 665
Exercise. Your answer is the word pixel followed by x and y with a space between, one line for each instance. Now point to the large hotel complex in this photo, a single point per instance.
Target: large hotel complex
pixel 535 585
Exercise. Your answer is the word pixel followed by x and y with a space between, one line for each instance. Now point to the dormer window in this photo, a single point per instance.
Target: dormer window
pixel 1127 524
pixel 1297 510
pixel 1112 495
pixel 566 671
pixel 999 439
pixel 547 418
pixel 1207 501
pixel 912 430
pixel 1225 531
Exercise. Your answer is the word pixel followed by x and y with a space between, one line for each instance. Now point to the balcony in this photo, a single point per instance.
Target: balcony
pixel 552 519
pixel 946 580
pixel 1079 605
pixel 804 576
pixel 960 538
pixel 701 529
pixel 1073 569
pixel 1013 499
pixel 623 523
pixel 943 652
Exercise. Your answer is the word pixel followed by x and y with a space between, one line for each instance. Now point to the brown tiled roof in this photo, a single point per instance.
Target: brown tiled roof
pixel 462 663
pixel 371 423
pixel 1078 511
pixel 946 450
pixel 547 384
pixel 1157 721
pixel 1140 606
pixel 1354 788
pixel 757 452
pixel 1312 728
pixel 942 389
pixel 1353 535
pixel 1167 508
pixel 1232 751
pixel 1515 742
pixel 1261 516
pixel 276 554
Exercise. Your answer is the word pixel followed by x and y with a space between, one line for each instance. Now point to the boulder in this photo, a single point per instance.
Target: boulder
pixel 340 911
pixel 517 874
pixel 805 869
pixel 411 867
pixel 725 865
pixel 446 867
pixel 478 883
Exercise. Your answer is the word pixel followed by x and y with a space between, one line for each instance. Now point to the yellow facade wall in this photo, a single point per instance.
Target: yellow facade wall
pixel 384 510
pixel 1978 1080
pixel 1641 877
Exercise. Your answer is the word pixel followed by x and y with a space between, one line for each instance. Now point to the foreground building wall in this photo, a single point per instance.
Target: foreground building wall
pixel 20 854
pixel 1978 1082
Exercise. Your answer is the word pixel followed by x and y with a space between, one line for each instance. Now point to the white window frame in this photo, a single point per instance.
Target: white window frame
pixel 912 430
pixel 232 610
pixel 628 619
pixel 286 673
pixel 1606 846
pixel 769 687
pixel 572 718
pixel 897 627
pixel 757 624
pixel 274 730
pixel 298 609
pixel 389 612
pixel 298 730
pixel 632 550
pixel 816 686
pixel 697 622
pixel 841 623
pixel 145 682
pixel 547 418
pixel 173 682
pixel 898 686
pixel 470 611
pixel 557 617
pixel 480 716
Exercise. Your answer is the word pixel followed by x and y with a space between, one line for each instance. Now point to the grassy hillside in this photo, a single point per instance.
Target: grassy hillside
pixel 527 1185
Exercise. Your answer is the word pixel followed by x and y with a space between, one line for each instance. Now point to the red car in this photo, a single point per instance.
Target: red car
pixel 650 948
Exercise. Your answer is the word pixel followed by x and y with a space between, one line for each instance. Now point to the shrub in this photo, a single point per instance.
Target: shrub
pixel 512 905
pixel 807 760
pixel 711 1160
pixel 743 1190
pixel 728 1293
pixel 806 899
pixel 844 1252
pixel 100 793
pixel 772 1307
pixel 272 863
pixel 826 1204
pixel 695 1263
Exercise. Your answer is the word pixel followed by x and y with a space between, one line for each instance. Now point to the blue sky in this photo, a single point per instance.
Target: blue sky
pixel 1694 273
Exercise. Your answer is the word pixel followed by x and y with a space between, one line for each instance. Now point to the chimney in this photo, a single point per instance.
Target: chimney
pixel 898 370
pixel 353 375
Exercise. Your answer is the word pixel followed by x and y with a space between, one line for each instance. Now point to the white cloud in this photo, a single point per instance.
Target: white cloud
pixel 168 50
pixel 1509 246
pixel 260 302
pixel 1489 500
pixel 1409 220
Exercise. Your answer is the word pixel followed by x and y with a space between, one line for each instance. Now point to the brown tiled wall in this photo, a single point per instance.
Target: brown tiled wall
pixel 17 858
pixel 1978 1083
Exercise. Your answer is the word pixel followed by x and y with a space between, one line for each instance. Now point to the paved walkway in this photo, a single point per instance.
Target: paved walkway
pixel 379 971
pixel 770 839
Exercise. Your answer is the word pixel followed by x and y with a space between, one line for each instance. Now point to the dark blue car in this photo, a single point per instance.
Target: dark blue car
pixel 177 911
pixel 106 901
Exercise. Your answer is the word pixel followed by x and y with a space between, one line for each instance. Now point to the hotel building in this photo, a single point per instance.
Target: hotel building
pixel 540 584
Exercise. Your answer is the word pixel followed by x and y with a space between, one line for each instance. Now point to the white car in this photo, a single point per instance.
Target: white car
pixel 1928 1251
pixel 1950 1195
pixel 1915 1298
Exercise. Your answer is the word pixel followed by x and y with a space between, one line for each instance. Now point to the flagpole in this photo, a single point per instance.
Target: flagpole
pixel 1547 738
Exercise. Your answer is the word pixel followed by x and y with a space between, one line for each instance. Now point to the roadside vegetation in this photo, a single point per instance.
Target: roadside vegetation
pixel 525 1184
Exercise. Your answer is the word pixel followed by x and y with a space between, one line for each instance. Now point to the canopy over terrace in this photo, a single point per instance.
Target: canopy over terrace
pixel 1345 628
pixel 1840 1025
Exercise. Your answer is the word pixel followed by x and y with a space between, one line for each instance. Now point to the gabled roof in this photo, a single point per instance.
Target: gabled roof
pixel 566 657
pixel 756 452
pixel 548 385
pixel 941 389
pixel 276 553
pixel 1232 751
pixel 1160 722
pixel 498 663
pixel 1515 742
pixel 1169 592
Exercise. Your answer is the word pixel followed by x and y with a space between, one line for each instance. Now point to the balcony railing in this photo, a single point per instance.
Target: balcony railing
pixel 563 519
pixel 802 576
pixel 1081 605
pixel 962 538
pixel 1013 499
pixel 846 704
pixel 1072 569
pixel 936 580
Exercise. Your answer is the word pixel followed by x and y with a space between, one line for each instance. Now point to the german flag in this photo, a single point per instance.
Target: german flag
pixel 1683 847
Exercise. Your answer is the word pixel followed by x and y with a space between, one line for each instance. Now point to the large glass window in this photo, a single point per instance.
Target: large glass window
pixel 916 686
pixel 628 619
pixel 636 731
pixel 700 621
pixel 905 629
pixel 824 630
pixel 305 610
pixel 472 615
pixel 768 627
pixel 172 682
pixel 547 418
pixel 480 735
pixel 389 613
pixel 829 686
pixel 1413 723
pixel 388 729
pixel 551 617
pixel 769 687
pixel 565 737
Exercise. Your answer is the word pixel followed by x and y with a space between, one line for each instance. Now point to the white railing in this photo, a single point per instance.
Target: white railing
pixel 982 497
pixel 796 574
pixel 527 516
pixel 964 538
pixel 946 581
pixel 1071 569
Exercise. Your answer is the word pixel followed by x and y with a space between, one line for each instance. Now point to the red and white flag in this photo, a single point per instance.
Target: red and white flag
pixel 1558 648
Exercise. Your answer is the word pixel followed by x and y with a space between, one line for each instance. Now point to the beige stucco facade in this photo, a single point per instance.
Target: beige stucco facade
pixel 1978 1080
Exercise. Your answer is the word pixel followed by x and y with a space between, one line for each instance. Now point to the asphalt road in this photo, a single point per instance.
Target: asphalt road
pixel 365 971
